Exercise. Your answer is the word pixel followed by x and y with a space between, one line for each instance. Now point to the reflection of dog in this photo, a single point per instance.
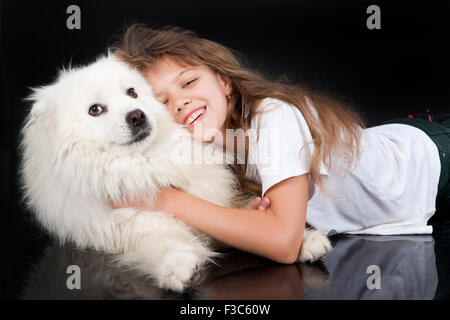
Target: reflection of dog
pixel 239 276
pixel 97 134
pixel 98 278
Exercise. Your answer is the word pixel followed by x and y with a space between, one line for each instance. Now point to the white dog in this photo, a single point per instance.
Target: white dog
pixel 97 134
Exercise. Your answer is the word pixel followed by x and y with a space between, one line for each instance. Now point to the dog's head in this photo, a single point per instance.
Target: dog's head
pixel 105 103
pixel 89 138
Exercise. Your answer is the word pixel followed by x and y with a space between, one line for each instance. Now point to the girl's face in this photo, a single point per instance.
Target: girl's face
pixel 195 95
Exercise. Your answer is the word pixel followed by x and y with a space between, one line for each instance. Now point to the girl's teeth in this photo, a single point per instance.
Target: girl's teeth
pixel 195 115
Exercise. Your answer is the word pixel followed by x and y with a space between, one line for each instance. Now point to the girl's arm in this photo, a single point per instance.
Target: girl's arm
pixel 275 233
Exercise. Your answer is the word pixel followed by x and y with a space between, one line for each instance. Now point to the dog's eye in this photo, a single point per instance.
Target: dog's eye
pixel 95 110
pixel 132 93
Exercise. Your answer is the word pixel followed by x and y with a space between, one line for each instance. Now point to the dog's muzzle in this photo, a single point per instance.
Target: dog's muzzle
pixel 138 124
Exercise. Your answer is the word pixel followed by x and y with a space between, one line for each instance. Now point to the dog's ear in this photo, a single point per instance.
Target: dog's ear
pixel 37 108
pixel 38 99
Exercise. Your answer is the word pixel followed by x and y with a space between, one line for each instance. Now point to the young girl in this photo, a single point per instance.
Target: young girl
pixel 314 160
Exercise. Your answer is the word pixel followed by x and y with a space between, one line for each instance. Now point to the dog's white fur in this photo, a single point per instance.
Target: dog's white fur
pixel 74 164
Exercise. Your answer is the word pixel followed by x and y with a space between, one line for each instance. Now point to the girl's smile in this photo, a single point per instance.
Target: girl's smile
pixel 195 116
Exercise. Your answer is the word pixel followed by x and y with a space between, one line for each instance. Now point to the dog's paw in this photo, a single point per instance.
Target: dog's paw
pixel 315 246
pixel 177 270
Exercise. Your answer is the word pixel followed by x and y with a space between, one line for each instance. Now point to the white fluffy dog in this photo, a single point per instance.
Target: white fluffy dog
pixel 97 134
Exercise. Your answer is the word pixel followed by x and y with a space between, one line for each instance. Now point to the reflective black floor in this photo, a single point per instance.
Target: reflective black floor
pixel 358 267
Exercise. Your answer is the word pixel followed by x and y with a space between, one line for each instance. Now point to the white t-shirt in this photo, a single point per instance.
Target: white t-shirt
pixel 391 189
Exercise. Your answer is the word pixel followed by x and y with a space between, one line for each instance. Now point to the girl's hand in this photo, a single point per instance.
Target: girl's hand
pixel 160 203
pixel 128 204
pixel 260 204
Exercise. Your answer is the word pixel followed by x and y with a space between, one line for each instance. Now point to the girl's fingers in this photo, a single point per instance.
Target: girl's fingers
pixel 265 204
pixel 256 202
pixel 116 205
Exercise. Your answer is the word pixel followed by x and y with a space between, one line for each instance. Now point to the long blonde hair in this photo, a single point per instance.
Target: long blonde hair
pixel 335 129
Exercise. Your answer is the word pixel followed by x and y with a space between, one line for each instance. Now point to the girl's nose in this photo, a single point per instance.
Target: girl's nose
pixel 182 103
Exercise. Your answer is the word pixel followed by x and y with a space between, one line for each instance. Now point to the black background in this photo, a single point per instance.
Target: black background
pixel 326 45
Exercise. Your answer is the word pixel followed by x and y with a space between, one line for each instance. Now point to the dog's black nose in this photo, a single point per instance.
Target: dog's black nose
pixel 136 118
pixel 140 128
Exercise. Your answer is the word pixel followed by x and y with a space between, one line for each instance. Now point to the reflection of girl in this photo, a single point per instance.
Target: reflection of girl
pixel 407 269
pixel 378 180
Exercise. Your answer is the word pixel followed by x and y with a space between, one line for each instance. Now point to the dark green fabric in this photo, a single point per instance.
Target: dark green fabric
pixel 439 131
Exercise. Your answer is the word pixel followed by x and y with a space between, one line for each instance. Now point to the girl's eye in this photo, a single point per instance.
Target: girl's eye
pixel 132 93
pixel 189 82
pixel 95 110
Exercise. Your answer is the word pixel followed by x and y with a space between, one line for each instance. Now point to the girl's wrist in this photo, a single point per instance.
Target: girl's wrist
pixel 166 200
